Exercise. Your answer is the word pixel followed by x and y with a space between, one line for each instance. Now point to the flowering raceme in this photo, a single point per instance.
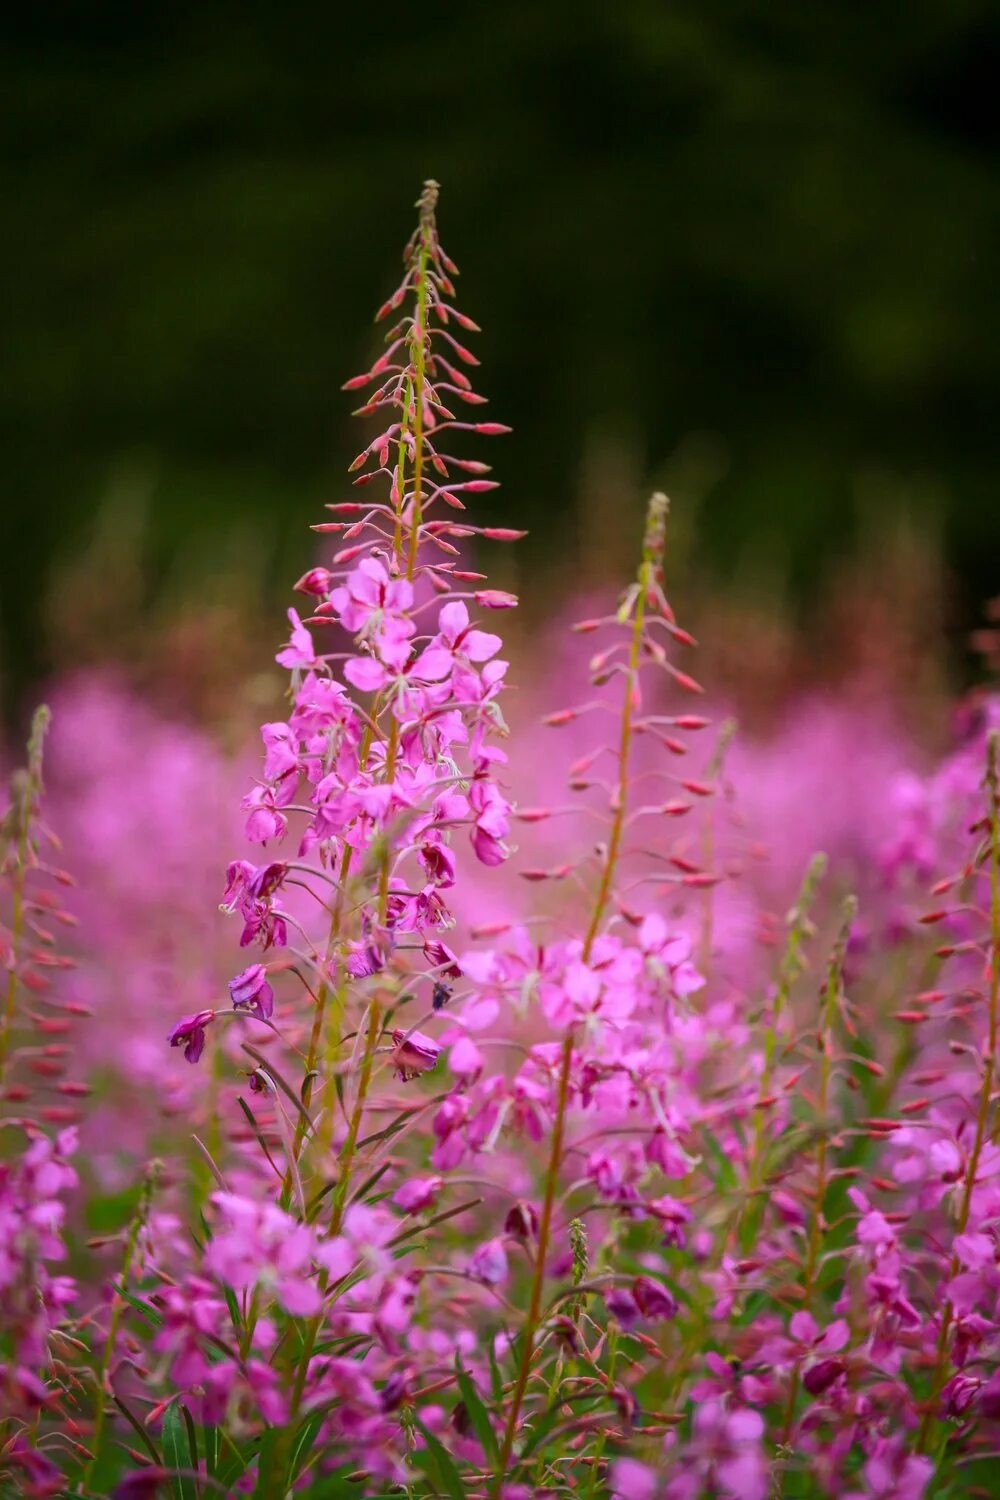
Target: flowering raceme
pixel 529 1152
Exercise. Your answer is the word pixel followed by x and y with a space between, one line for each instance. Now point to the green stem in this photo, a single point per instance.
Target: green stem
pixel 538 1279
pixel 533 1320
pixel 419 381
pixel 817 1226
pixel 117 1307
pixel 986 1091
pixel 799 928
pixel 340 1192
pixel 17 929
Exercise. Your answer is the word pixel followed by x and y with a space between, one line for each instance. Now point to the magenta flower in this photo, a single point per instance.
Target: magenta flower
pixel 255 1243
pixel 492 822
pixel 489 1263
pixel 456 641
pixel 653 1299
pixel 413 1053
pixel 417 1193
pixel 465 1059
pixel 630 1480
pixel 250 990
pixel 369 599
pixel 191 1031
pixel 300 652
pixel 725 1453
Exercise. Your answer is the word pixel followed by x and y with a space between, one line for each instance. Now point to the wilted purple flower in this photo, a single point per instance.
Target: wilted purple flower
pixel 191 1031
pixel 653 1298
pixel 364 959
pixel 251 990
pixel 413 1053
pixel 623 1307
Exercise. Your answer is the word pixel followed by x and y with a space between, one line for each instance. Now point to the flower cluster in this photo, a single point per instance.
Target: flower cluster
pixel 634 1189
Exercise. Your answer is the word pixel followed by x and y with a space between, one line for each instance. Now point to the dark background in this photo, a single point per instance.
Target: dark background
pixel 746 248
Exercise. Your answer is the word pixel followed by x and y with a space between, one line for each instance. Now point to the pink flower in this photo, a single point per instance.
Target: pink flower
pixel 630 1480
pixel 413 1053
pixel 258 1244
pixel 492 822
pixel 316 581
pixel 418 1193
pixel 456 640
pixel 300 652
pixel 369 600
pixel 489 1263
pixel 465 1059
pixel 669 956
pixel 725 1454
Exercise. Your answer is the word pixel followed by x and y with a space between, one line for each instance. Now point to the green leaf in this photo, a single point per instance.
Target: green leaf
pixel 234 1306
pixel 176 1454
pixel 211 1441
pixel 438 1464
pixel 143 1308
pixel 539 1430
pixel 448 1213
pixel 192 1437
pixel 262 1143
pixel 496 1378
pixel 360 1194
pixel 143 1435
pixel 478 1415
pixel 267 1487
pixel 726 1178
pixel 302 1443
pixel 233 1465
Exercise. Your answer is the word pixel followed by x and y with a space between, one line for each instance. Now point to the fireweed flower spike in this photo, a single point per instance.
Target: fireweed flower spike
pixel 603 983
pixel 386 758
pixel 971 1269
pixel 38 1136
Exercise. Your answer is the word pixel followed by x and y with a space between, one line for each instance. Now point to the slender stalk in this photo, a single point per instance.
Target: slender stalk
pixel 817 1227
pixel 419 380
pixel 16 933
pixel 26 788
pixel 799 928
pixel 713 769
pixel 340 1192
pixel 139 1219
pixel 415 399
pixel 538 1279
pixel 982 1135
pixel 652 549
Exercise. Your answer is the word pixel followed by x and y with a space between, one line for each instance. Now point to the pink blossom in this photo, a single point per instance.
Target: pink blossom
pixel 413 1053
pixel 300 652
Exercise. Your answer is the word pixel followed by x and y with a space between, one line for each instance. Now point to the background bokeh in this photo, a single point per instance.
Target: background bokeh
pixel 744 250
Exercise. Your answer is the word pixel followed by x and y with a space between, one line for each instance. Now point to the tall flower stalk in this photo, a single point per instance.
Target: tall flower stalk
pixel 986 862
pixel 644 601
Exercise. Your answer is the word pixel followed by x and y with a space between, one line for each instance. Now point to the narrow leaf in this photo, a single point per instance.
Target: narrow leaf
pixel 438 1463
pixel 176 1455
pixel 478 1415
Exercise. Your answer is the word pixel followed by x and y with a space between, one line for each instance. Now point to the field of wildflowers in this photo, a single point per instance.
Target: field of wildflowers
pixel 605 1105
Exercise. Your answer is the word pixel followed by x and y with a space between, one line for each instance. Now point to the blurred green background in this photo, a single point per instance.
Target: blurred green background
pixel 746 249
